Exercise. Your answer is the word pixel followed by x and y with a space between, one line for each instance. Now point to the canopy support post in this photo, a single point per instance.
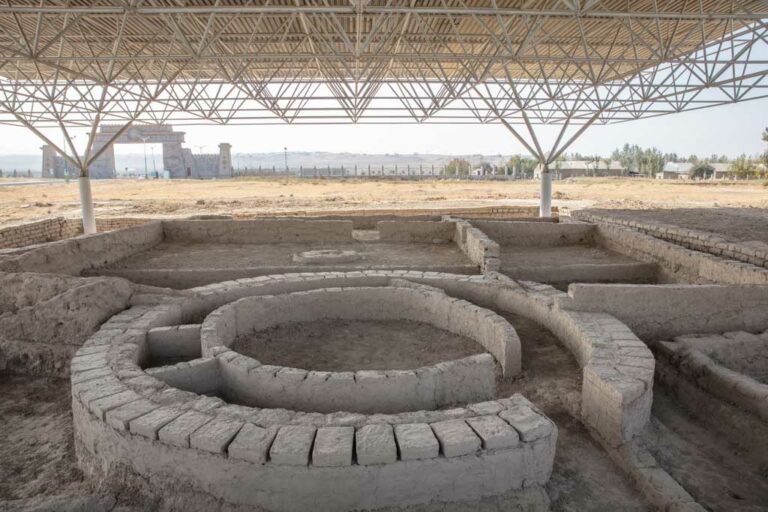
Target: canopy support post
pixel 86 203
pixel 545 197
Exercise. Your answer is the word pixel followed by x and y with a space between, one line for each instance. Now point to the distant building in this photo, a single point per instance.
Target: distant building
pixel 681 170
pixel 579 168
pixel 178 161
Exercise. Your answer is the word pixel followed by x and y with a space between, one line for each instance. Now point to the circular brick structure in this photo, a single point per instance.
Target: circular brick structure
pixel 249 382
pixel 172 425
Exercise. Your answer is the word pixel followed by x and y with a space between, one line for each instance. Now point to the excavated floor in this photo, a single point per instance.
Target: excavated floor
pixel 719 474
pixel 573 263
pixel 344 345
pixel 179 256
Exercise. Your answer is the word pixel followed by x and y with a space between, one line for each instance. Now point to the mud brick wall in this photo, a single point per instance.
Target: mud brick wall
pixel 58 228
pixel 688 238
pixel 47 230
pixel 677 263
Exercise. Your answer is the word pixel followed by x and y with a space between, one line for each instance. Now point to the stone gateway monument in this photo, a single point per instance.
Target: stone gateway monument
pixel 177 160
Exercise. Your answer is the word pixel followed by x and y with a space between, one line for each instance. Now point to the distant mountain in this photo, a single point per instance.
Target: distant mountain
pixel 296 159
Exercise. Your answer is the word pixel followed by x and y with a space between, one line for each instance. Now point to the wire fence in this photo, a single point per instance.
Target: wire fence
pixel 416 172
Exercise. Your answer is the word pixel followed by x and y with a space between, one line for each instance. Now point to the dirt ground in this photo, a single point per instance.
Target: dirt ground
pixel 718 473
pixel 734 224
pixel 36 444
pixel 347 346
pixel 117 198
pixel 209 255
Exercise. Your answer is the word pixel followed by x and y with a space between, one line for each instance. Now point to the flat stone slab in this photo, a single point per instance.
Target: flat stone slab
pixel 292 445
pixel 333 446
pixel 375 444
pixel 416 441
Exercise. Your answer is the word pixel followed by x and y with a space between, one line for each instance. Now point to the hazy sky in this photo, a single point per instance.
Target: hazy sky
pixel 731 129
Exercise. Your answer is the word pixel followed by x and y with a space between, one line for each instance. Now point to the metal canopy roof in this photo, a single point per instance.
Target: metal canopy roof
pixel 78 63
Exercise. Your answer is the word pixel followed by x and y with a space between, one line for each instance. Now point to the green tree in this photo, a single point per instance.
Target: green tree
pixel 458 167
pixel 743 168
pixel 701 170
pixel 522 166
pixel 636 159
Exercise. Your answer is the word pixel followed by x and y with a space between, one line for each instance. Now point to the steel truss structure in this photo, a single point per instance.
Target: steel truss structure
pixel 522 63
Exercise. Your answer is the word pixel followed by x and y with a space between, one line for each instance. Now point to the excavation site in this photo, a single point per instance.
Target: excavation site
pixel 578 363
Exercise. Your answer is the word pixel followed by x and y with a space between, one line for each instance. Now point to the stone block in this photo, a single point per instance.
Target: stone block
pixel 120 417
pixel 149 424
pixel 292 445
pixel 375 444
pixel 215 435
pixel 494 432
pixel 252 443
pixel 333 446
pixel 456 438
pixel 178 431
pixel 100 406
pixel 416 441
pixel 528 423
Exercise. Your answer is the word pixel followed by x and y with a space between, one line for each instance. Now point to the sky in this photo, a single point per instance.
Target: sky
pixel 730 130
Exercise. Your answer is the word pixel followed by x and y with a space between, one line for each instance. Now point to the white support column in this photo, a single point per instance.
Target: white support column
pixel 86 205
pixel 545 201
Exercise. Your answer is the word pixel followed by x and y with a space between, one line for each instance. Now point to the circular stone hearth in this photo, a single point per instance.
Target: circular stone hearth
pixel 247 381
pixel 324 256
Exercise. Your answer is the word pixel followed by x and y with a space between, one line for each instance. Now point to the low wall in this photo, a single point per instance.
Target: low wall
pixel 414 231
pixel 74 255
pixel 58 228
pixel 475 244
pixel 656 312
pixel 246 381
pixel 732 387
pixel 47 230
pixel 536 234
pixel 688 238
pixel 617 367
pixel 720 400
pixel 677 263
pixel 257 231
pixel 469 379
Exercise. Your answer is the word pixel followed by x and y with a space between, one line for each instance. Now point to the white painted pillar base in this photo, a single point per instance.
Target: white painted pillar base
pixel 86 205
pixel 545 203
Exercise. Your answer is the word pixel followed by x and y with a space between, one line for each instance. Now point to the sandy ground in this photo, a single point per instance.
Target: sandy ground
pixel 116 198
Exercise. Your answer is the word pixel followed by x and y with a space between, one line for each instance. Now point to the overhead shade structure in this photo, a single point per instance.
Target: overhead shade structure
pixel 522 64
